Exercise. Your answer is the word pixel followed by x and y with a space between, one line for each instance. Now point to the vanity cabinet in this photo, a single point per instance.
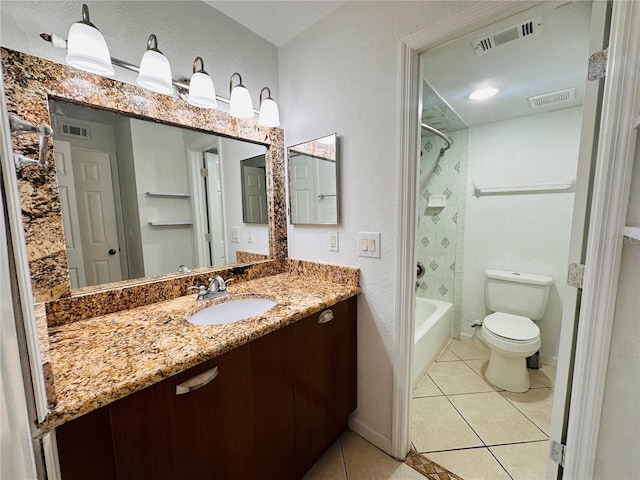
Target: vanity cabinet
pixel 272 408
pixel 324 357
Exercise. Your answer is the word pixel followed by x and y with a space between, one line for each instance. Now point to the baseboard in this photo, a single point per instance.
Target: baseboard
pixel 548 360
pixel 370 435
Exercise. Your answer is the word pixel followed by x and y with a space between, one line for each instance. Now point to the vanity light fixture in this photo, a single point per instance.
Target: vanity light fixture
pixel 240 105
pixel 155 71
pixel 86 47
pixel 269 115
pixel 202 93
pixel 483 93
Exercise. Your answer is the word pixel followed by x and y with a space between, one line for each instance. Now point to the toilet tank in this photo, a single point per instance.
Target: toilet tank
pixel 524 294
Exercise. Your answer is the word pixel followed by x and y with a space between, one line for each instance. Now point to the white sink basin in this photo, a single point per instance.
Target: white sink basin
pixel 232 311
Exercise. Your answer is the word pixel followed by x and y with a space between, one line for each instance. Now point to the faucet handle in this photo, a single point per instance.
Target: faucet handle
pixel 201 289
pixel 222 283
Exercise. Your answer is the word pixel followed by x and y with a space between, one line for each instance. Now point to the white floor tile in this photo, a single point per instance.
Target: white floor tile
pixel 470 464
pixel 436 425
pixel 457 377
pixel 536 404
pixel 495 420
pixel 523 461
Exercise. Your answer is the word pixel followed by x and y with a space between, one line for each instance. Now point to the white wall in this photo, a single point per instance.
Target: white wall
pixel 160 166
pixel 527 233
pixel 620 422
pixel 185 29
pixel 253 237
pixel 341 75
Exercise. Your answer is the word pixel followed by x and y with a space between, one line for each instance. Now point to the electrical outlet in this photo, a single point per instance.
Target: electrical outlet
pixel 249 236
pixel 369 244
pixel 333 241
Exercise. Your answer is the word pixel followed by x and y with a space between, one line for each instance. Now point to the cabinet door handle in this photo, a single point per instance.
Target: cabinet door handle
pixel 197 381
pixel 326 316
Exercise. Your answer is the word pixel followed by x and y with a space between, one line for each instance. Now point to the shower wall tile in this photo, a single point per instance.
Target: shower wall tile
pixel 440 231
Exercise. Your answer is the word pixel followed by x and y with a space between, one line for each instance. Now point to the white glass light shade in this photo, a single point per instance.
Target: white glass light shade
pixel 88 51
pixel 269 115
pixel 240 103
pixel 155 72
pixel 202 93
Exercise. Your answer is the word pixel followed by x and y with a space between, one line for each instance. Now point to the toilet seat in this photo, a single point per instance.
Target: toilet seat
pixel 511 328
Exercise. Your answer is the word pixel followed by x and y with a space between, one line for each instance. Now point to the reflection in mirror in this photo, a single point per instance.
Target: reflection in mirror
pixel 140 198
pixel 254 190
pixel 313 182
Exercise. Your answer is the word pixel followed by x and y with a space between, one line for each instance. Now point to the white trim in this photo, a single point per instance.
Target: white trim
pixel 604 247
pixel 476 16
pixel 20 255
pixel 366 432
pixel 52 461
pixel 14 420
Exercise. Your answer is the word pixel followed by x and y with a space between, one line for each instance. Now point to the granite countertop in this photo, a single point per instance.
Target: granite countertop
pixel 99 360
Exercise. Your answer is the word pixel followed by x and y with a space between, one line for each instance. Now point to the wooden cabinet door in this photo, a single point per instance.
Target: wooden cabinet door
pixel 85 449
pixel 273 411
pixel 205 433
pixel 324 357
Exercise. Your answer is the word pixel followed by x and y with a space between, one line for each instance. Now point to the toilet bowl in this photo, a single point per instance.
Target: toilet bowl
pixel 511 338
pixel 516 299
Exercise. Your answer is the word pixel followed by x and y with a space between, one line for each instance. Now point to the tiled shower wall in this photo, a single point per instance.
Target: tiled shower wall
pixel 440 234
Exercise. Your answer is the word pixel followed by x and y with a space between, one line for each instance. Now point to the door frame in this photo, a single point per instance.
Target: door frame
pixel 608 208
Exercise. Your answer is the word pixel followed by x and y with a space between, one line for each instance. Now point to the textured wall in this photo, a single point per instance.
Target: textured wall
pixel 527 233
pixel 342 75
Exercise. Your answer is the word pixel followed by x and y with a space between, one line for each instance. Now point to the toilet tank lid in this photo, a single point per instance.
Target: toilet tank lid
pixel 511 276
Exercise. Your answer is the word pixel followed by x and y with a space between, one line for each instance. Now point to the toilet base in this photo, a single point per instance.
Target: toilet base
pixel 508 372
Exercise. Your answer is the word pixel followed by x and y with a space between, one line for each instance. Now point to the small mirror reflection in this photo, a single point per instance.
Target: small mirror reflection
pixel 313 182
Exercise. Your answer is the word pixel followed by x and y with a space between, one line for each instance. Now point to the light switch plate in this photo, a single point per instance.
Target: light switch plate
pixel 333 241
pixel 249 236
pixel 369 244
pixel 235 234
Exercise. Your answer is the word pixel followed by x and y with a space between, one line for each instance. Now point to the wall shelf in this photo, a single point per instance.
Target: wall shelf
pixel 481 190
pixel 632 232
pixel 169 194
pixel 177 223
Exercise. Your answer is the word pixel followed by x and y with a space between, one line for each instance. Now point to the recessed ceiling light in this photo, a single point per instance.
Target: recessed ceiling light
pixel 483 93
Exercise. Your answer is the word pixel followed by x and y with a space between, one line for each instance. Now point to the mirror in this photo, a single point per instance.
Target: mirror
pixel 313 182
pixel 139 198
pixel 32 82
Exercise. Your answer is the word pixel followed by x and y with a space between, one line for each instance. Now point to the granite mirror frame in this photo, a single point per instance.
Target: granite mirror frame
pixel 29 84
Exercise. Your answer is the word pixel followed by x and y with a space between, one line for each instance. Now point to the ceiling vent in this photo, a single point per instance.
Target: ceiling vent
pixel 493 40
pixel 552 98
pixel 75 130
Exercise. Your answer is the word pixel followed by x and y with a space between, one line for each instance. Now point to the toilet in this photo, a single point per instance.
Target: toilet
pixel 516 299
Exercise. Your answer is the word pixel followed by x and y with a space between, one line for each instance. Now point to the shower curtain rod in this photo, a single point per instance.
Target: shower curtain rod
pixel 443 136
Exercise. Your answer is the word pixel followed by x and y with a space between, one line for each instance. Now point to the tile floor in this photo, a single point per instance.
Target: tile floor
pixel 353 458
pixel 476 430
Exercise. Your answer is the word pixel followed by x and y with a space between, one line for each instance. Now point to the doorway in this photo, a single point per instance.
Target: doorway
pixel 413 149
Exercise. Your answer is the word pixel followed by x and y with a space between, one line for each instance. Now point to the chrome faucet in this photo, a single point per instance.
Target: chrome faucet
pixel 217 288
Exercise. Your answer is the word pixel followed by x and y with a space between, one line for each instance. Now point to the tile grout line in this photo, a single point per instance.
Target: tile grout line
pixel 525 415
pixel 344 461
pixel 524 442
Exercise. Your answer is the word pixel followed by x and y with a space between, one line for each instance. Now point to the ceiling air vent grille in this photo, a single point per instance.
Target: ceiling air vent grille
pixel 75 130
pixel 552 98
pixel 492 40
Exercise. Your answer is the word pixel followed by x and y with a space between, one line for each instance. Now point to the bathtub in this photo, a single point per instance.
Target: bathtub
pixel 433 329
